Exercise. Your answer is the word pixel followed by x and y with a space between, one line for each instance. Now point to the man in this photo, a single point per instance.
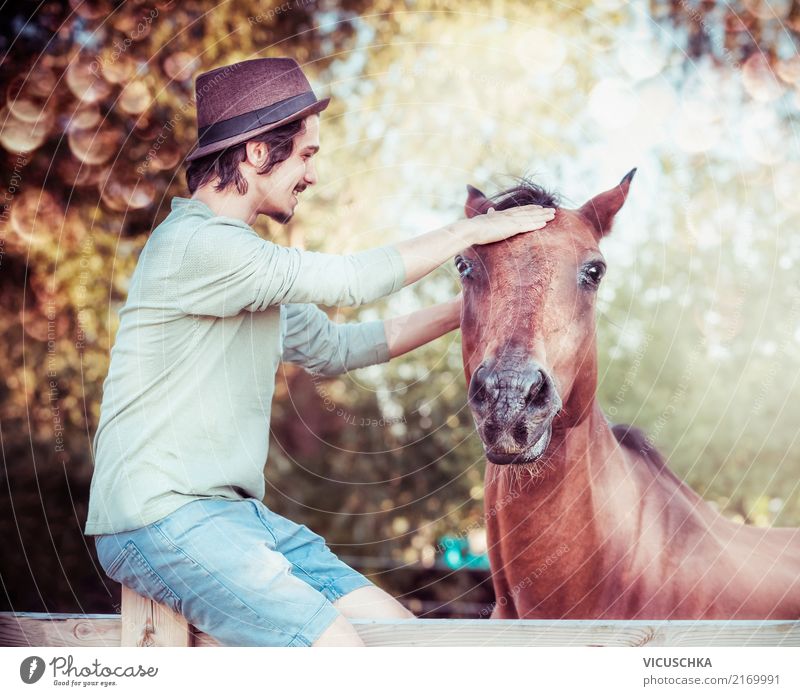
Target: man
pixel 212 308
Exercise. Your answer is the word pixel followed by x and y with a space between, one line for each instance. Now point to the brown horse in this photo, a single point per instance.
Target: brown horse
pixel 584 520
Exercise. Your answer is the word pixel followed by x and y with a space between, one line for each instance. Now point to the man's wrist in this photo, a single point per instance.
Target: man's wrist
pixel 462 232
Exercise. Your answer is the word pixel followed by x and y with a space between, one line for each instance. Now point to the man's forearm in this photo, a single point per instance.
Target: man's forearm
pixel 428 251
pixel 412 330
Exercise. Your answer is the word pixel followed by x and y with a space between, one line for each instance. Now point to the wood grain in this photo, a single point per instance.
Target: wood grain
pixel 105 630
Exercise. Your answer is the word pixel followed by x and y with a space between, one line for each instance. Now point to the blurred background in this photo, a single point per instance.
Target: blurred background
pixel 699 314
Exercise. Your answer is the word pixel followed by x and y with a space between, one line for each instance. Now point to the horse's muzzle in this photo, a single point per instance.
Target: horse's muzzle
pixel 514 406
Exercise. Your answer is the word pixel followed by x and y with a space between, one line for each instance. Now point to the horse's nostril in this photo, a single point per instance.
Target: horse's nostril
pixel 536 385
pixel 539 393
pixel 478 391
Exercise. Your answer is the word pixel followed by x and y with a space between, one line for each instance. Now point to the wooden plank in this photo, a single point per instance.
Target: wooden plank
pixel 18 629
pixel 471 632
pixel 148 624
pixel 104 630
pixel 59 630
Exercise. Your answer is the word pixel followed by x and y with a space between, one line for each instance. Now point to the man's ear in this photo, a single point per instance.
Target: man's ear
pixel 601 209
pixel 256 153
pixel 476 202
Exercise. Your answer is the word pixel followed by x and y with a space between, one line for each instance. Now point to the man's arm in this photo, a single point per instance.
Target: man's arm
pixel 329 348
pixel 224 267
pixel 320 345
pixel 413 330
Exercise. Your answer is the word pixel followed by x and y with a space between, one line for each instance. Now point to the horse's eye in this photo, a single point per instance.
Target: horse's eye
pixel 592 273
pixel 463 266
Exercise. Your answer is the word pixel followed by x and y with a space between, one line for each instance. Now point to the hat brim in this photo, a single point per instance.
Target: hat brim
pixel 197 151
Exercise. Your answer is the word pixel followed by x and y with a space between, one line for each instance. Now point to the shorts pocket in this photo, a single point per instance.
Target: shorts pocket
pixel 130 568
pixel 103 550
pixel 265 522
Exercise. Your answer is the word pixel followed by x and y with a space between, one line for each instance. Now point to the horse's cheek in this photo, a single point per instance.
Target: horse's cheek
pixel 470 352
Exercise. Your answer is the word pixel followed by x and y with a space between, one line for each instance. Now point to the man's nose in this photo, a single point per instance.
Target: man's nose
pixel 311 174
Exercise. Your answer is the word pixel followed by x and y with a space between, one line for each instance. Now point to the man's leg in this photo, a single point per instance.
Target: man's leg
pixel 339 634
pixel 213 562
pixel 351 594
pixel 371 602
pixel 364 603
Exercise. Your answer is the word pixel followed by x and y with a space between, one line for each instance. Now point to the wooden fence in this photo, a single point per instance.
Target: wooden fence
pixel 144 623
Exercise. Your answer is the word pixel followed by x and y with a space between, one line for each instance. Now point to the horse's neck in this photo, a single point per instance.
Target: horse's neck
pixel 579 477
pixel 604 532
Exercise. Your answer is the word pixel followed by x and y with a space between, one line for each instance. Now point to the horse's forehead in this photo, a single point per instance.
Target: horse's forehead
pixel 566 238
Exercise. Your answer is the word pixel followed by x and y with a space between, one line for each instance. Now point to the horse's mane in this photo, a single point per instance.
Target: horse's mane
pixel 526 192
pixel 635 439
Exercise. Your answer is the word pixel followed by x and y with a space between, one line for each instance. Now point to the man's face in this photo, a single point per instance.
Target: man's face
pixel 280 188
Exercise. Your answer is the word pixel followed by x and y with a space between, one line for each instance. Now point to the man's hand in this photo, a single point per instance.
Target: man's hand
pixel 496 226
pixel 430 250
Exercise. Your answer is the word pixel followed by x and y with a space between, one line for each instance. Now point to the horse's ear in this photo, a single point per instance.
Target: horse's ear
pixel 476 202
pixel 601 209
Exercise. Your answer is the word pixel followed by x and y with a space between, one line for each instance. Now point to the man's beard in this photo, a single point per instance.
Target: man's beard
pixel 280 218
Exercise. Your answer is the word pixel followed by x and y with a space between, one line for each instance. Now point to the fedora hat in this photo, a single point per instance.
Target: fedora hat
pixel 239 101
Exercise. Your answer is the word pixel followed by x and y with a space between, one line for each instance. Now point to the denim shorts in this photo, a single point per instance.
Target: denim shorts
pixel 236 570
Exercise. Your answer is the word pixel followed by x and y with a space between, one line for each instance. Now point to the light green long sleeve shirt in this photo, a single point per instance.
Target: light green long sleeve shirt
pixel 212 309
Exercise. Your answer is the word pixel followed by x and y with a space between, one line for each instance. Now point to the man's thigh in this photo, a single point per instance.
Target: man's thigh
pixel 213 561
pixel 351 593
pixel 311 559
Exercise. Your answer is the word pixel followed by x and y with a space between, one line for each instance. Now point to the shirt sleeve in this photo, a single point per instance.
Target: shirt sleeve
pixel 320 345
pixel 227 267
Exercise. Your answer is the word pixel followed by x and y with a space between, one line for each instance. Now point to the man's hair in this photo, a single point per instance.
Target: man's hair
pixel 224 165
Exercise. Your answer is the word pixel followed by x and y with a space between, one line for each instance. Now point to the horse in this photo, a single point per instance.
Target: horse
pixel 585 520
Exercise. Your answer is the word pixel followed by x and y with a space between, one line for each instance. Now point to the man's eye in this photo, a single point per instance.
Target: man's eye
pixel 463 266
